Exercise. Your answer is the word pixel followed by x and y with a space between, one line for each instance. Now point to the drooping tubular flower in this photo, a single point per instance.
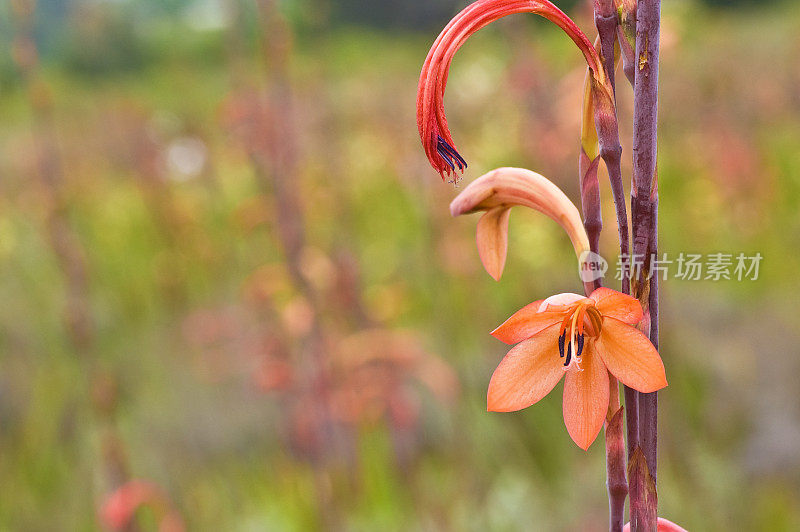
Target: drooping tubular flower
pixel 431 121
pixel 582 339
pixel 499 190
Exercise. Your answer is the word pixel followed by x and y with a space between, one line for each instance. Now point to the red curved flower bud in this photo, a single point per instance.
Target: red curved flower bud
pixel 431 120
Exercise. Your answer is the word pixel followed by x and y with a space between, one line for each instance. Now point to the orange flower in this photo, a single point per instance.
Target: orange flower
pixel 431 120
pixel 583 338
pixel 499 190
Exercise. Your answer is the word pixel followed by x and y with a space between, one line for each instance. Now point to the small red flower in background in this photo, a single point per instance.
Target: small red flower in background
pixel 582 339
pixel 431 119
pixel 119 508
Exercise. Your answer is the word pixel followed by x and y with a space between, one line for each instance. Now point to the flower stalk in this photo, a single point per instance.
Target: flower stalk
pixel 644 213
pixel 616 480
pixel 626 38
pixel 605 19
pixel 68 249
pixel 606 22
pixel 588 163
pixel 276 167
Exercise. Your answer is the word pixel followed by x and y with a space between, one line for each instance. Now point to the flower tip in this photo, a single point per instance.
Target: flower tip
pixel 582 440
pixel 494 405
pixel 501 333
pixel 501 399
pixel 470 199
pixel 492 240
pixel 663 384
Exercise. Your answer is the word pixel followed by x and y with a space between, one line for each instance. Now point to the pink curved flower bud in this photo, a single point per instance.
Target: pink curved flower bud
pixel 503 188
pixel 663 526
pixel 431 120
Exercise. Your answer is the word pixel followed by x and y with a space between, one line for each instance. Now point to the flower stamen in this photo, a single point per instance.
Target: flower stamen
pixel 574 325
pixel 580 346
pixel 569 357
pixel 449 154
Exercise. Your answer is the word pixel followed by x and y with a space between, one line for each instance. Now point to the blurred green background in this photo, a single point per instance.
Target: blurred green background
pixel 227 268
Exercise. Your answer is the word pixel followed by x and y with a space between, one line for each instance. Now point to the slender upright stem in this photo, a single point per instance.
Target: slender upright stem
pixel 605 18
pixel 610 150
pixel 626 37
pixel 602 103
pixel 644 205
pixel 70 254
pixel 276 164
pixel 616 481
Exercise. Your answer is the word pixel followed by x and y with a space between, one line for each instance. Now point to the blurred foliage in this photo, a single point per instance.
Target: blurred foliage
pixel 189 289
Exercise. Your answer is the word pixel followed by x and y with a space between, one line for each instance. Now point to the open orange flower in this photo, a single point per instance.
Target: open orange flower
pixel 583 338
pixel 431 120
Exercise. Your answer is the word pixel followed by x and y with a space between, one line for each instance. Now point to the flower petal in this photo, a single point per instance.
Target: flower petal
pixel 586 396
pixel 492 238
pixel 617 305
pixel 630 357
pixel 527 322
pixel 526 374
pixel 561 300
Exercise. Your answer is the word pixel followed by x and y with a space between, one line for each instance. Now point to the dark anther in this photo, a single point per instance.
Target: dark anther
pixel 561 340
pixel 580 345
pixel 569 354
pixel 449 154
pixel 446 158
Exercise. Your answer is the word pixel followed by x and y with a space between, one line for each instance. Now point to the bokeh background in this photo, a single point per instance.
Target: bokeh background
pixel 228 271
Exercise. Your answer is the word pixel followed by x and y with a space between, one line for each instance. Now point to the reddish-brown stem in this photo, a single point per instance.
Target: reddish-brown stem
pixel 590 205
pixel 276 166
pixel 611 152
pixel 626 30
pixel 644 205
pixel 605 19
pixel 616 482
pixel 632 418
pixel 68 250
pixel 610 148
